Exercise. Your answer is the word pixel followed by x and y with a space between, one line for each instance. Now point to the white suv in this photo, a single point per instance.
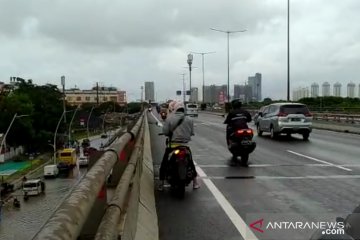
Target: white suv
pixel 191 109
pixel 285 118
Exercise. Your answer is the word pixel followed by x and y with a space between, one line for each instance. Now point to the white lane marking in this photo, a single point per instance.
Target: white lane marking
pixel 235 218
pixel 268 165
pixel 318 160
pixel 282 177
pixel 158 121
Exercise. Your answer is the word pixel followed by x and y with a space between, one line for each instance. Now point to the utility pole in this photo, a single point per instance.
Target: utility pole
pixel 97 93
pixel 288 51
pixel 64 96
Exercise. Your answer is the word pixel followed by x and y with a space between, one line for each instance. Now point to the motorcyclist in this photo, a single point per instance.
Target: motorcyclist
pixel 180 134
pixel 236 119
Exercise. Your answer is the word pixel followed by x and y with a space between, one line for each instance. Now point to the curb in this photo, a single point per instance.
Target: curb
pixel 147 224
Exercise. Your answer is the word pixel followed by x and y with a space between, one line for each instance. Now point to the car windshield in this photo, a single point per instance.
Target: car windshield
pixel 192 106
pixel 30 185
pixel 294 109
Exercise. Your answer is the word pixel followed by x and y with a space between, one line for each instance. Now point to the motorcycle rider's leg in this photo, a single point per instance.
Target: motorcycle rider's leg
pixel 163 167
pixel 196 184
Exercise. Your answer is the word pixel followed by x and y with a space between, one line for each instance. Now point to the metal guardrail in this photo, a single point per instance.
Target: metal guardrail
pixel 348 118
pixel 68 220
pixel 109 227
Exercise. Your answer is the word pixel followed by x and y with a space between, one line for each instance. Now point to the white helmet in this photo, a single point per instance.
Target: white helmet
pixel 179 105
pixel 171 106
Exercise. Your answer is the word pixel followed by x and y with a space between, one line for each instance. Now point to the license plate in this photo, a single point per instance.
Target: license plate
pixel 296 119
pixel 245 142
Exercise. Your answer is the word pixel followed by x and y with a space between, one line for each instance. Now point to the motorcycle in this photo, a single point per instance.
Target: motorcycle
pixel 179 173
pixel 241 144
pixel 149 109
pixel 16 203
pixel 163 115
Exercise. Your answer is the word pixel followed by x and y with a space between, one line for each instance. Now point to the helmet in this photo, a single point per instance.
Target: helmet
pixel 179 106
pixel 171 106
pixel 236 103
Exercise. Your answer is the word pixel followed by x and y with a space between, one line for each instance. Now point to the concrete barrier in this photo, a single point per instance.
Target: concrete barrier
pixel 147 220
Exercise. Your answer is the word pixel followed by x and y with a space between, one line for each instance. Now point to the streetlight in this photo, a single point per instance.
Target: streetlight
pixel 203 88
pixel 64 104
pixel 189 61
pixel 57 127
pixel 88 120
pixel 288 50
pixel 7 131
pixel 228 57
pixel 72 119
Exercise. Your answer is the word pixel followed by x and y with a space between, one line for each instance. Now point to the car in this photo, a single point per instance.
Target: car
pixel 83 161
pixel 191 109
pixel 104 135
pixel 285 118
pixel 257 115
pixel 85 143
pixel 51 171
pixel 33 187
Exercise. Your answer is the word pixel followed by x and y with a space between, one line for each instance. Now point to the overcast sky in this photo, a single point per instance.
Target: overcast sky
pixel 125 43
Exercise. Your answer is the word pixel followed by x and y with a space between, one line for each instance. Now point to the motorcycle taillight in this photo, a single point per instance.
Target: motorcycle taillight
pixel 244 132
pixel 180 153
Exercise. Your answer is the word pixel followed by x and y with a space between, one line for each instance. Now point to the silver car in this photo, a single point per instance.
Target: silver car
pixel 287 118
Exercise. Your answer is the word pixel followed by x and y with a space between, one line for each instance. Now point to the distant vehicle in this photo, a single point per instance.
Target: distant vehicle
pixel 51 171
pixel 67 158
pixel 191 109
pixel 33 187
pixel 288 118
pixel 104 135
pixel 216 108
pixel 83 161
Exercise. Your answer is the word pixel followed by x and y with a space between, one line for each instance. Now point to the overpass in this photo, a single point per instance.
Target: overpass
pixel 288 179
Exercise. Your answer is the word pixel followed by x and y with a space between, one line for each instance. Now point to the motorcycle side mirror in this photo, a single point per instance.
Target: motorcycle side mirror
pixel 340 219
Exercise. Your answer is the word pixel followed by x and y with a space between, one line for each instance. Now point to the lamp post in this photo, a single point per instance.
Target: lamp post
pixel 189 61
pixel 72 119
pixel 288 50
pixel 7 131
pixel 228 57
pixel 203 72
pixel 64 104
pixel 56 130
pixel 88 120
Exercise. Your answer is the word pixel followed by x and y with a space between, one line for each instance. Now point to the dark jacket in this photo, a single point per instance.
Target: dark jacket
pixel 238 118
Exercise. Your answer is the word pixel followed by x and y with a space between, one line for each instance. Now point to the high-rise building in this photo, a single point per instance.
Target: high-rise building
pixel 237 91
pixel 149 91
pixel 314 90
pixel 299 93
pixel 325 89
pixel 337 89
pixel 255 83
pixel 195 94
pixel 351 90
pixel 212 93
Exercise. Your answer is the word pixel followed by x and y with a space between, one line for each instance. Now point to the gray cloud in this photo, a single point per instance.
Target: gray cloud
pixel 126 43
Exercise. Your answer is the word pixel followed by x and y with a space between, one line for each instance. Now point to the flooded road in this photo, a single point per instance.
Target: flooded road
pixel 24 223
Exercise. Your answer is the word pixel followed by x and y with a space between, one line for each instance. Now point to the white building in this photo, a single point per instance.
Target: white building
pixel 351 90
pixel 326 89
pixel 314 90
pixel 337 89
pixel 302 92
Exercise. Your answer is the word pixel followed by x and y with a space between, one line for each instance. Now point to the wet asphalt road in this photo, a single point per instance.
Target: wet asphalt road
pixel 287 180
pixel 23 223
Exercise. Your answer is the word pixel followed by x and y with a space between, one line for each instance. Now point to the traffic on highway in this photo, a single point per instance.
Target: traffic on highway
pixel 288 188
